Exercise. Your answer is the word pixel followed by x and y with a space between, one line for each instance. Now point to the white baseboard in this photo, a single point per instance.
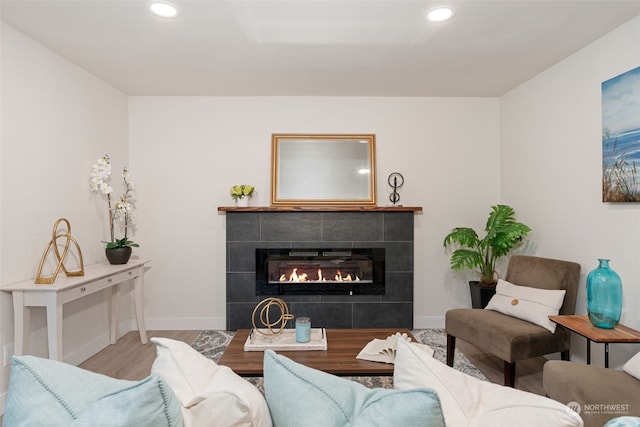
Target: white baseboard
pixel 92 347
pixel 185 324
pixel 220 323
pixel 82 353
pixel 428 322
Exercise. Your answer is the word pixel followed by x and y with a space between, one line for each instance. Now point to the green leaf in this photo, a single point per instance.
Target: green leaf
pixel 503 234
pixel 122 243
pixel 463 259
pixel 462 236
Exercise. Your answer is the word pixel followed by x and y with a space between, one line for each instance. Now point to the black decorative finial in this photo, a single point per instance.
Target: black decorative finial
pixel 395 181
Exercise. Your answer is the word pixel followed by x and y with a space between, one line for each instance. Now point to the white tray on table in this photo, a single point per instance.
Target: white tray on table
pixel 285 341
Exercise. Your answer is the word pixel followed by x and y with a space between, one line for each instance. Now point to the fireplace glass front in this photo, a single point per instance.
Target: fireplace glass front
pixel 353 271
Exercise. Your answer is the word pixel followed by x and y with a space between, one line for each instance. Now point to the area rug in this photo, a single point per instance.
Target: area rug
pixel 212 344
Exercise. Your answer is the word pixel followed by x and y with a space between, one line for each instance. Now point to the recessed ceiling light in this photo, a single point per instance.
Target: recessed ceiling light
pixel 441 14
pixel 163 9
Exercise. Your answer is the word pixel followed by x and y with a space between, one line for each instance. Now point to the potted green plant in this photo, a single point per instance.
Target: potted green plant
pixel 503 233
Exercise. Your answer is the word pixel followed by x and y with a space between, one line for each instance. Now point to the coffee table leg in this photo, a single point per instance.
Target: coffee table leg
pixel 588 351
pixel 606 355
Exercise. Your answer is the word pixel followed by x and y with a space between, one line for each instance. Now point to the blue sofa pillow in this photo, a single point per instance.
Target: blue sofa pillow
pixel 624 422
pixel 45 392
pixel 301 396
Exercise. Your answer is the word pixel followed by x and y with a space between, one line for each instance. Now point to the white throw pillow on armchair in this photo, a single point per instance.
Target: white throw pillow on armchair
pixel 210 394
pixel 531 304
pixel 468 401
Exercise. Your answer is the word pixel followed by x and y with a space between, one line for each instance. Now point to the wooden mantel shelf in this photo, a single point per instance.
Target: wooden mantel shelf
pixel 320 209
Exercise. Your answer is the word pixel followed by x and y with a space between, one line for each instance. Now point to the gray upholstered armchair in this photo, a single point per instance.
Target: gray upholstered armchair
pixel 507 337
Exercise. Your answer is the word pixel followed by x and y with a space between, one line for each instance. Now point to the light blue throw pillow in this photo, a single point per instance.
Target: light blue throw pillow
pixel 45 392
pixel 301 396
pixel 624 422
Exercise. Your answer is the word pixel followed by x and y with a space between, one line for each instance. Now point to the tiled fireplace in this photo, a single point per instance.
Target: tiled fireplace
pixel 321 240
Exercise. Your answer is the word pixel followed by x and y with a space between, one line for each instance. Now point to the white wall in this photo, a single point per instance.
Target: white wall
pixel 187 151
pixel 537 148
pixel 184 155
pixel 56 121
pixel 551 170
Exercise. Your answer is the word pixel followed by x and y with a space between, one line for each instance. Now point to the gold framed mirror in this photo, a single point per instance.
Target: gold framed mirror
pixel 326 169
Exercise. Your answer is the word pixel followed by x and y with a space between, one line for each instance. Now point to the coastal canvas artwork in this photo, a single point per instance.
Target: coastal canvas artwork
pixel 621 138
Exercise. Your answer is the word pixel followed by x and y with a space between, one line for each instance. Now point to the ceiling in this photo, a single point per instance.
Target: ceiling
pixel 316 47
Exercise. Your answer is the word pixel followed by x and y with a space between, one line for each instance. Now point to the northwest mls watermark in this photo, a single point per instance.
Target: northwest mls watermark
pixel 600 408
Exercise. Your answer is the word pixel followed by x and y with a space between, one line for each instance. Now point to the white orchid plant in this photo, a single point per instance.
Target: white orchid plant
pixel 241 191
pixel 122 209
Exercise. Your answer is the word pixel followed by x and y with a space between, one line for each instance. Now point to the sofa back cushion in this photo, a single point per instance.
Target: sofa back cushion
pixel 467 401
pixel 632 367
pixel 210 394
pixel 45 392
pixel 301 396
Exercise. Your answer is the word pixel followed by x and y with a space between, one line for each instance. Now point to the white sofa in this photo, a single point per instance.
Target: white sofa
pixel 187 389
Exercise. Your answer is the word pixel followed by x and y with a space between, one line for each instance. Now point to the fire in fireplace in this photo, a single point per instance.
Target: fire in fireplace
pixel 354 271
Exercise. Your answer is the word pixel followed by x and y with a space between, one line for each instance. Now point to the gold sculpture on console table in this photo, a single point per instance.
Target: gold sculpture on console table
pixel 266 305
pixel 60 257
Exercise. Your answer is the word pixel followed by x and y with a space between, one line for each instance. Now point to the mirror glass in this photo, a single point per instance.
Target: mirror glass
pixel 323 170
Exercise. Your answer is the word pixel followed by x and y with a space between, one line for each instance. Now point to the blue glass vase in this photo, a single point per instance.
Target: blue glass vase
pixel 604 296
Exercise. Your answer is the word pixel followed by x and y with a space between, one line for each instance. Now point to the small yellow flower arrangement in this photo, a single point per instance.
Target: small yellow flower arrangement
pixel 241 191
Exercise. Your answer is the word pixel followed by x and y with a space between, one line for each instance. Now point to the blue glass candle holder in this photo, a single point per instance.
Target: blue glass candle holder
pixel 303 329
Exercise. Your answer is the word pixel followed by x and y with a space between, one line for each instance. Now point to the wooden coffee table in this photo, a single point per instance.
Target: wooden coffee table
pixel 343 345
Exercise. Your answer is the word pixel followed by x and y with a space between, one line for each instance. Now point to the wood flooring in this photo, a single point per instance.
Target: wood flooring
pixel 130 360
pixel 528 372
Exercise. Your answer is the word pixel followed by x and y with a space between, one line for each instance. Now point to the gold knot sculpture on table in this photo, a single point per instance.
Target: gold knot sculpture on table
pixel 53 243
pixel 264 309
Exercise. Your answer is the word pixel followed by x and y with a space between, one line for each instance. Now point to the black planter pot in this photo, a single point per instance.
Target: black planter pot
pixel 480 295
pixel 118 255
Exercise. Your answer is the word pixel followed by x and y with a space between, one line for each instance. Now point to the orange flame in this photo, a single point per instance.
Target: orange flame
pixel 304 277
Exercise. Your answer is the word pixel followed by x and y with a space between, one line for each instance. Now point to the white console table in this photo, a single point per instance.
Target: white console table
pixel 96 278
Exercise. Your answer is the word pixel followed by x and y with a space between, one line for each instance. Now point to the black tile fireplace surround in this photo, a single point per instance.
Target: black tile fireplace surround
pixel 248 230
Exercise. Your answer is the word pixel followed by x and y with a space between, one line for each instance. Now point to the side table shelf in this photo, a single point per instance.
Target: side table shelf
pixel 581 325
pixel 96 278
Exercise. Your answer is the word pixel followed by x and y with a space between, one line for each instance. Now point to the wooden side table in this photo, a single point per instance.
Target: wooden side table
pixel 581 325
